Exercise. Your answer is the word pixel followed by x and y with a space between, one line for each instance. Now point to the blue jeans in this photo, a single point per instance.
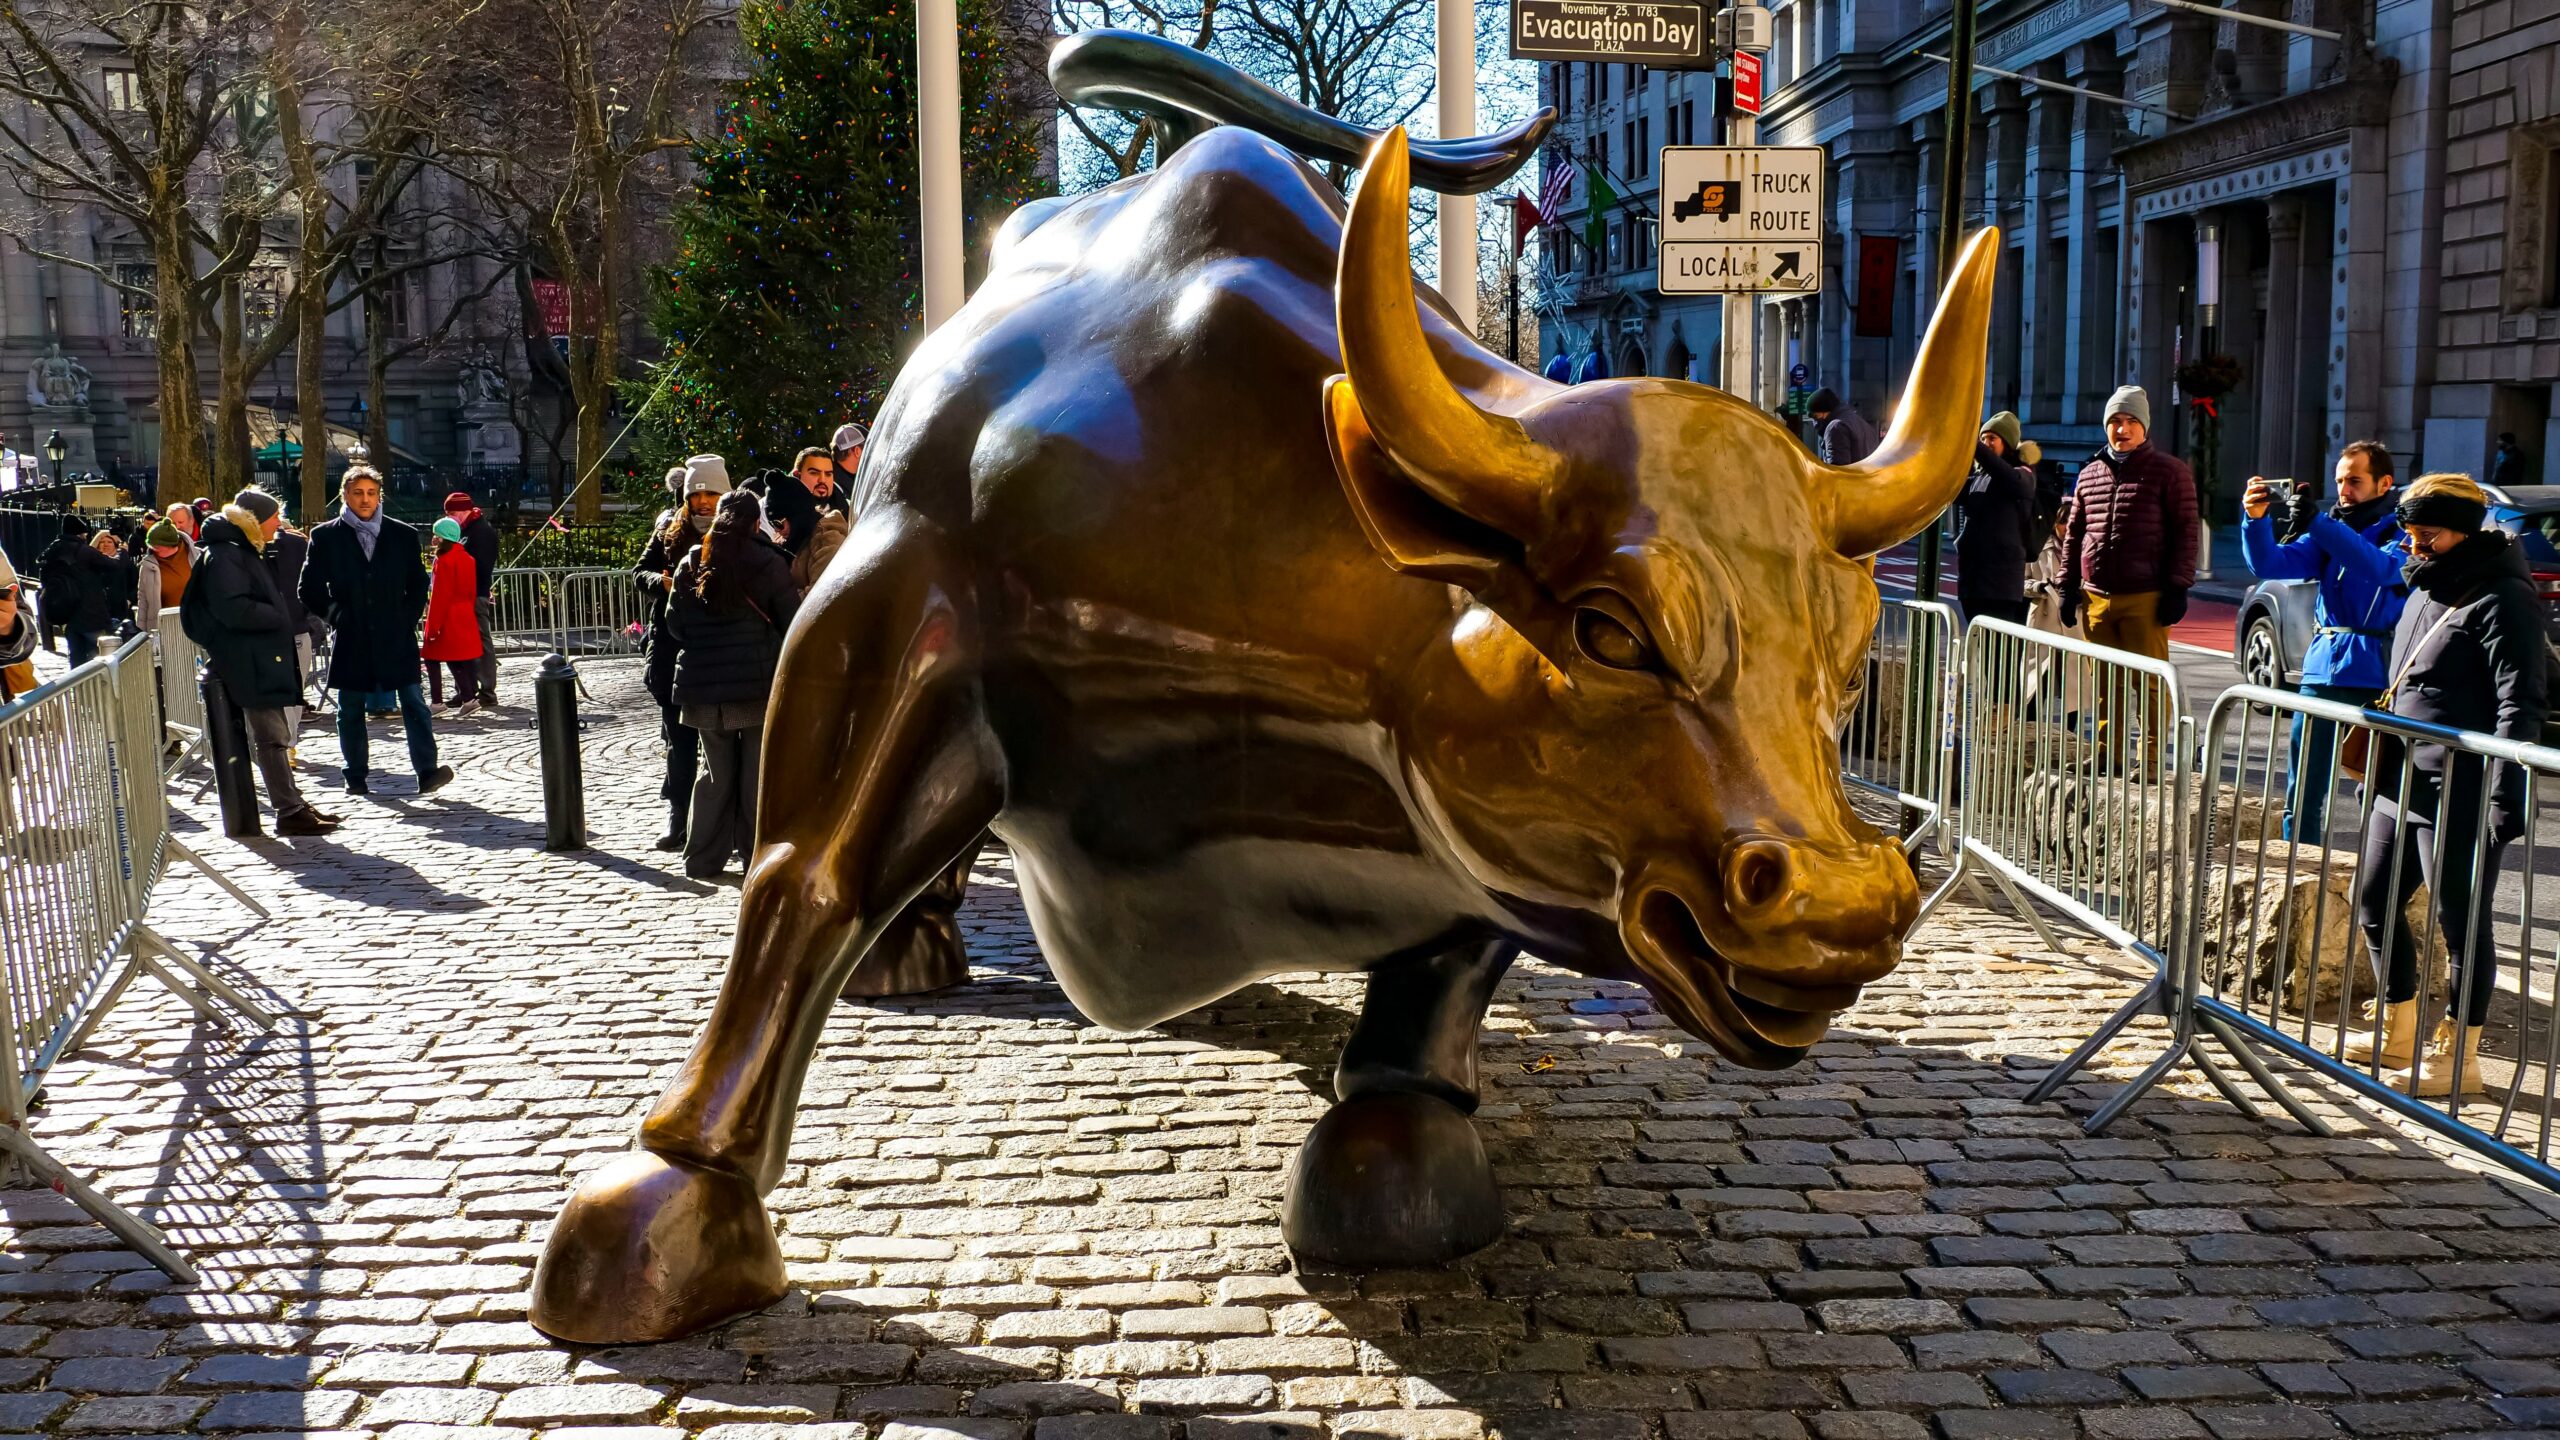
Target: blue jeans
pixel 355 746
pixel 2306 797
pixel 80 646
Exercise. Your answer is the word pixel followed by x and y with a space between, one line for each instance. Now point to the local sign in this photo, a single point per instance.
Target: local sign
pixel 1746 82
pixel 1740 218
pixel 1667 36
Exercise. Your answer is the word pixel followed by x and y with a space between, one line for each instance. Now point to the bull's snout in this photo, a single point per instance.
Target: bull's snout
pixel 1781 940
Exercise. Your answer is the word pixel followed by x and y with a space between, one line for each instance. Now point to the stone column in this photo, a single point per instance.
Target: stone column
pixel 2088 369
pixel 2279 376
pixel 2357 270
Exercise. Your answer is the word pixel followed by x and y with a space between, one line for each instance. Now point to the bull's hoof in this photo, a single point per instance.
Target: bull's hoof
pixel 652 1249
pixel 1391 1181
pixel 916 955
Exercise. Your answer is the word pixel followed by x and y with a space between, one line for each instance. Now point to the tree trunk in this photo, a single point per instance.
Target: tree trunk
pixel 231 462
pixel 310 284
pixel 183 471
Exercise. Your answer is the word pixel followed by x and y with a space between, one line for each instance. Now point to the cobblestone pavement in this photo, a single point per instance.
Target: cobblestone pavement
pixel 1006 1224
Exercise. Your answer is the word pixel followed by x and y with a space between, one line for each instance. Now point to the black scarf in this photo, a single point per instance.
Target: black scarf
pixel 2459 575
pixel 2365 516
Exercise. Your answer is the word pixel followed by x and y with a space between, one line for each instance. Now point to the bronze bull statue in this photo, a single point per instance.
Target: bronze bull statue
pixel 1276 625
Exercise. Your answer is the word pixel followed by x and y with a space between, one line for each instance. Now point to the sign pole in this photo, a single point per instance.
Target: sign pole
pixel 1742 128
pixel 1456 24
pixel 1960 40
pixel 938 158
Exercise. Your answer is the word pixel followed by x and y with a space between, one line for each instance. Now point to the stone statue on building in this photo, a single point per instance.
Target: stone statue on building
pixel 58 382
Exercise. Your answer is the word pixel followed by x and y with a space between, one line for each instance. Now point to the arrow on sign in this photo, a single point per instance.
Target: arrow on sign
pixel 1785 269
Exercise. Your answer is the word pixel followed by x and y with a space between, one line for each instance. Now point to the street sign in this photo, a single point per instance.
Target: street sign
pixel 1746 82
pixel 1668 36
pixel 1740 219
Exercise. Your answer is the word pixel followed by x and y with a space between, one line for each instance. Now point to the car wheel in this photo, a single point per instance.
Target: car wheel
pixel 2261 658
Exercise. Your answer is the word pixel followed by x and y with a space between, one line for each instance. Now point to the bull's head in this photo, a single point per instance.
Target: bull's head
pixel 1634 720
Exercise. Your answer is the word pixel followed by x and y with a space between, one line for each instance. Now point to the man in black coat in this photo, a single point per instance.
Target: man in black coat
pixel 367 577
pixel 795 503
pixel 237 614
pixel 1996 526
pixel 80 584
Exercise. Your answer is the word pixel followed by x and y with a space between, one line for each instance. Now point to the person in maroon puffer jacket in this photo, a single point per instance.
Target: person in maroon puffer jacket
pixel 2130 555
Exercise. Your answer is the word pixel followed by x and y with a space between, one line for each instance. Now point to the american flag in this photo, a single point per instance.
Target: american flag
pixel 1558 189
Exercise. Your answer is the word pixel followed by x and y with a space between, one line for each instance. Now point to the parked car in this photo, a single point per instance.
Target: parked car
pixel 2274 627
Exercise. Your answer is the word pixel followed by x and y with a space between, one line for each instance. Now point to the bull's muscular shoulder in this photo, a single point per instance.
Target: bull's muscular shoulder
pixel 1230 194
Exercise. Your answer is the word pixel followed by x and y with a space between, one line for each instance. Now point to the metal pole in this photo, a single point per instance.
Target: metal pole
pixel 1734 369
pixel 938 158
pixel 1511 346
pixel 1960 40
pixel 1455 20
pixel 564 786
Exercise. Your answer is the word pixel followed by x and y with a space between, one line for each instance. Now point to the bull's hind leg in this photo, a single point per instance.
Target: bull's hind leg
pixel 1393 1175
pixel 923 950
pixel 878 772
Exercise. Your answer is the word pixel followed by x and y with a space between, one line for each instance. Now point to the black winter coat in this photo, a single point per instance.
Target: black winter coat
pixel 240 618
pixel 1997 534
pixel 658 561
pixel 80 586
pixel 794 511
pixel 2471 652
pixel 372 606
pixel 727 651
pixel 480 538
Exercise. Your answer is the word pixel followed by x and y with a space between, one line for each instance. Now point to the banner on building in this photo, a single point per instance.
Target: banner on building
pixel 553 299
pixel 1879 268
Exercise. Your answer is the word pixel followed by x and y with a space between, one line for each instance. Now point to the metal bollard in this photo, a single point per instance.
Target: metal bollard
pixel 564 786
pixel 226 743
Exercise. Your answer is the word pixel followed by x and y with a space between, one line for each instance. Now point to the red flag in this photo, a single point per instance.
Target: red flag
pixel 1524 218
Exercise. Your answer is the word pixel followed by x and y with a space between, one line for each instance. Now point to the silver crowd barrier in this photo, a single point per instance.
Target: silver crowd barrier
pixel 84 837
pixel 1896 742
pixel 573 611
pixel 2077 786
pixel 2316 894
pixel 181 703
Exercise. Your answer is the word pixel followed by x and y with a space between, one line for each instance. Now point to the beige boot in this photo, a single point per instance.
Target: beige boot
pixel 2434 1070
pixel 2399 1037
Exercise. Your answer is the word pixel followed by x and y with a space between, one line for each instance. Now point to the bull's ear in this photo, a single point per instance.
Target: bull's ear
pixel 1410 530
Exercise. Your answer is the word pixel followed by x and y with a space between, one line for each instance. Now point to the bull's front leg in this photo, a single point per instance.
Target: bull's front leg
pixel 1394 1175
pixel 879 771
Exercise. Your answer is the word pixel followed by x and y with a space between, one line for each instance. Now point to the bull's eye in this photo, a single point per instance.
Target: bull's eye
pixel 1606 639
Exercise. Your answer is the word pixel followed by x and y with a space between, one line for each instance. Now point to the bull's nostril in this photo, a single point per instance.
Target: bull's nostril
pixel 1757 876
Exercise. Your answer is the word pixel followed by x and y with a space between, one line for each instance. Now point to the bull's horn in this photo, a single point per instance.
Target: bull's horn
pixel 1480 464
pixel 1916 473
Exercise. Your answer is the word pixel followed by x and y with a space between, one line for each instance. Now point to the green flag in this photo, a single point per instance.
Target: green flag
pixel 1595 220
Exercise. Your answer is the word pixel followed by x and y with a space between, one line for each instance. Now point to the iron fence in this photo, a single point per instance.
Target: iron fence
pixel 1896 741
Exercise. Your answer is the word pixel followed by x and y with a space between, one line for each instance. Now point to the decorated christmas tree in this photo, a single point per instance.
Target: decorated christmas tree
pixel 794 291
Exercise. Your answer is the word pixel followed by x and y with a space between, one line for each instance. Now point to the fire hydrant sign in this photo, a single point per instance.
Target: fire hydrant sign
pixel 1668 36
pixel 1739 218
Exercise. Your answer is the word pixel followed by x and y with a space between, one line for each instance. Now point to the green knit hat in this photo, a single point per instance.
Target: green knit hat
pixel 449 528
pixel 164 533
pixel 2004 425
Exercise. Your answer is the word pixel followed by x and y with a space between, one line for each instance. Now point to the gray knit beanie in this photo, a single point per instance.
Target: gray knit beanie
pixel 2130 400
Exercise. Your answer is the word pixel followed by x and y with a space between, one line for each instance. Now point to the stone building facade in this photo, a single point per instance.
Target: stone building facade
pixel 2350 193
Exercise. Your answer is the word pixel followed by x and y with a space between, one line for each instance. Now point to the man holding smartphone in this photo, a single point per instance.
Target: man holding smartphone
pixel 2355 550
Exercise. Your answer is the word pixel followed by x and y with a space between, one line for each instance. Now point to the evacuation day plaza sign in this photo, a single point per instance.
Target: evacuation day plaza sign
pixel 1740 218
pixel 1668 36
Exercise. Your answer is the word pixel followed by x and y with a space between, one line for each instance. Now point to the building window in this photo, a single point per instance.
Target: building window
pixel 1644 146
pixel 2533 217
pixel 262 293
pixel 1563 76
pixel 137 302
pixel 1688 122
pixel 124 92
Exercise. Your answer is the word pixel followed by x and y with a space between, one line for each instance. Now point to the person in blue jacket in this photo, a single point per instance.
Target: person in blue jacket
pixel 2355 550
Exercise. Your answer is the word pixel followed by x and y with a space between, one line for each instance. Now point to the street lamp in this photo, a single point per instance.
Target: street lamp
pixel 359 451
pixel 55 448
pixel 2209 280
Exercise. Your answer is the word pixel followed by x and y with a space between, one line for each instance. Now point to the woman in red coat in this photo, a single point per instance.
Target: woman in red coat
pixel 453 628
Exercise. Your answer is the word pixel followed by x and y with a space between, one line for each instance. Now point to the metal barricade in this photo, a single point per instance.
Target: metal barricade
pixel 84 834
pixel 181 703
pixel 2313 889
pixel 526 610
pixel 2077 787
pixel 601 613
pixel 1896 742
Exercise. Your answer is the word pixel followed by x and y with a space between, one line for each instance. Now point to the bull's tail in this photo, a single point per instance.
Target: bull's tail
pixel 1124 70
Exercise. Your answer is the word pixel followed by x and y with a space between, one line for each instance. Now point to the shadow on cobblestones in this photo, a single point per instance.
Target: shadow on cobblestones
pixel 1004 1223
